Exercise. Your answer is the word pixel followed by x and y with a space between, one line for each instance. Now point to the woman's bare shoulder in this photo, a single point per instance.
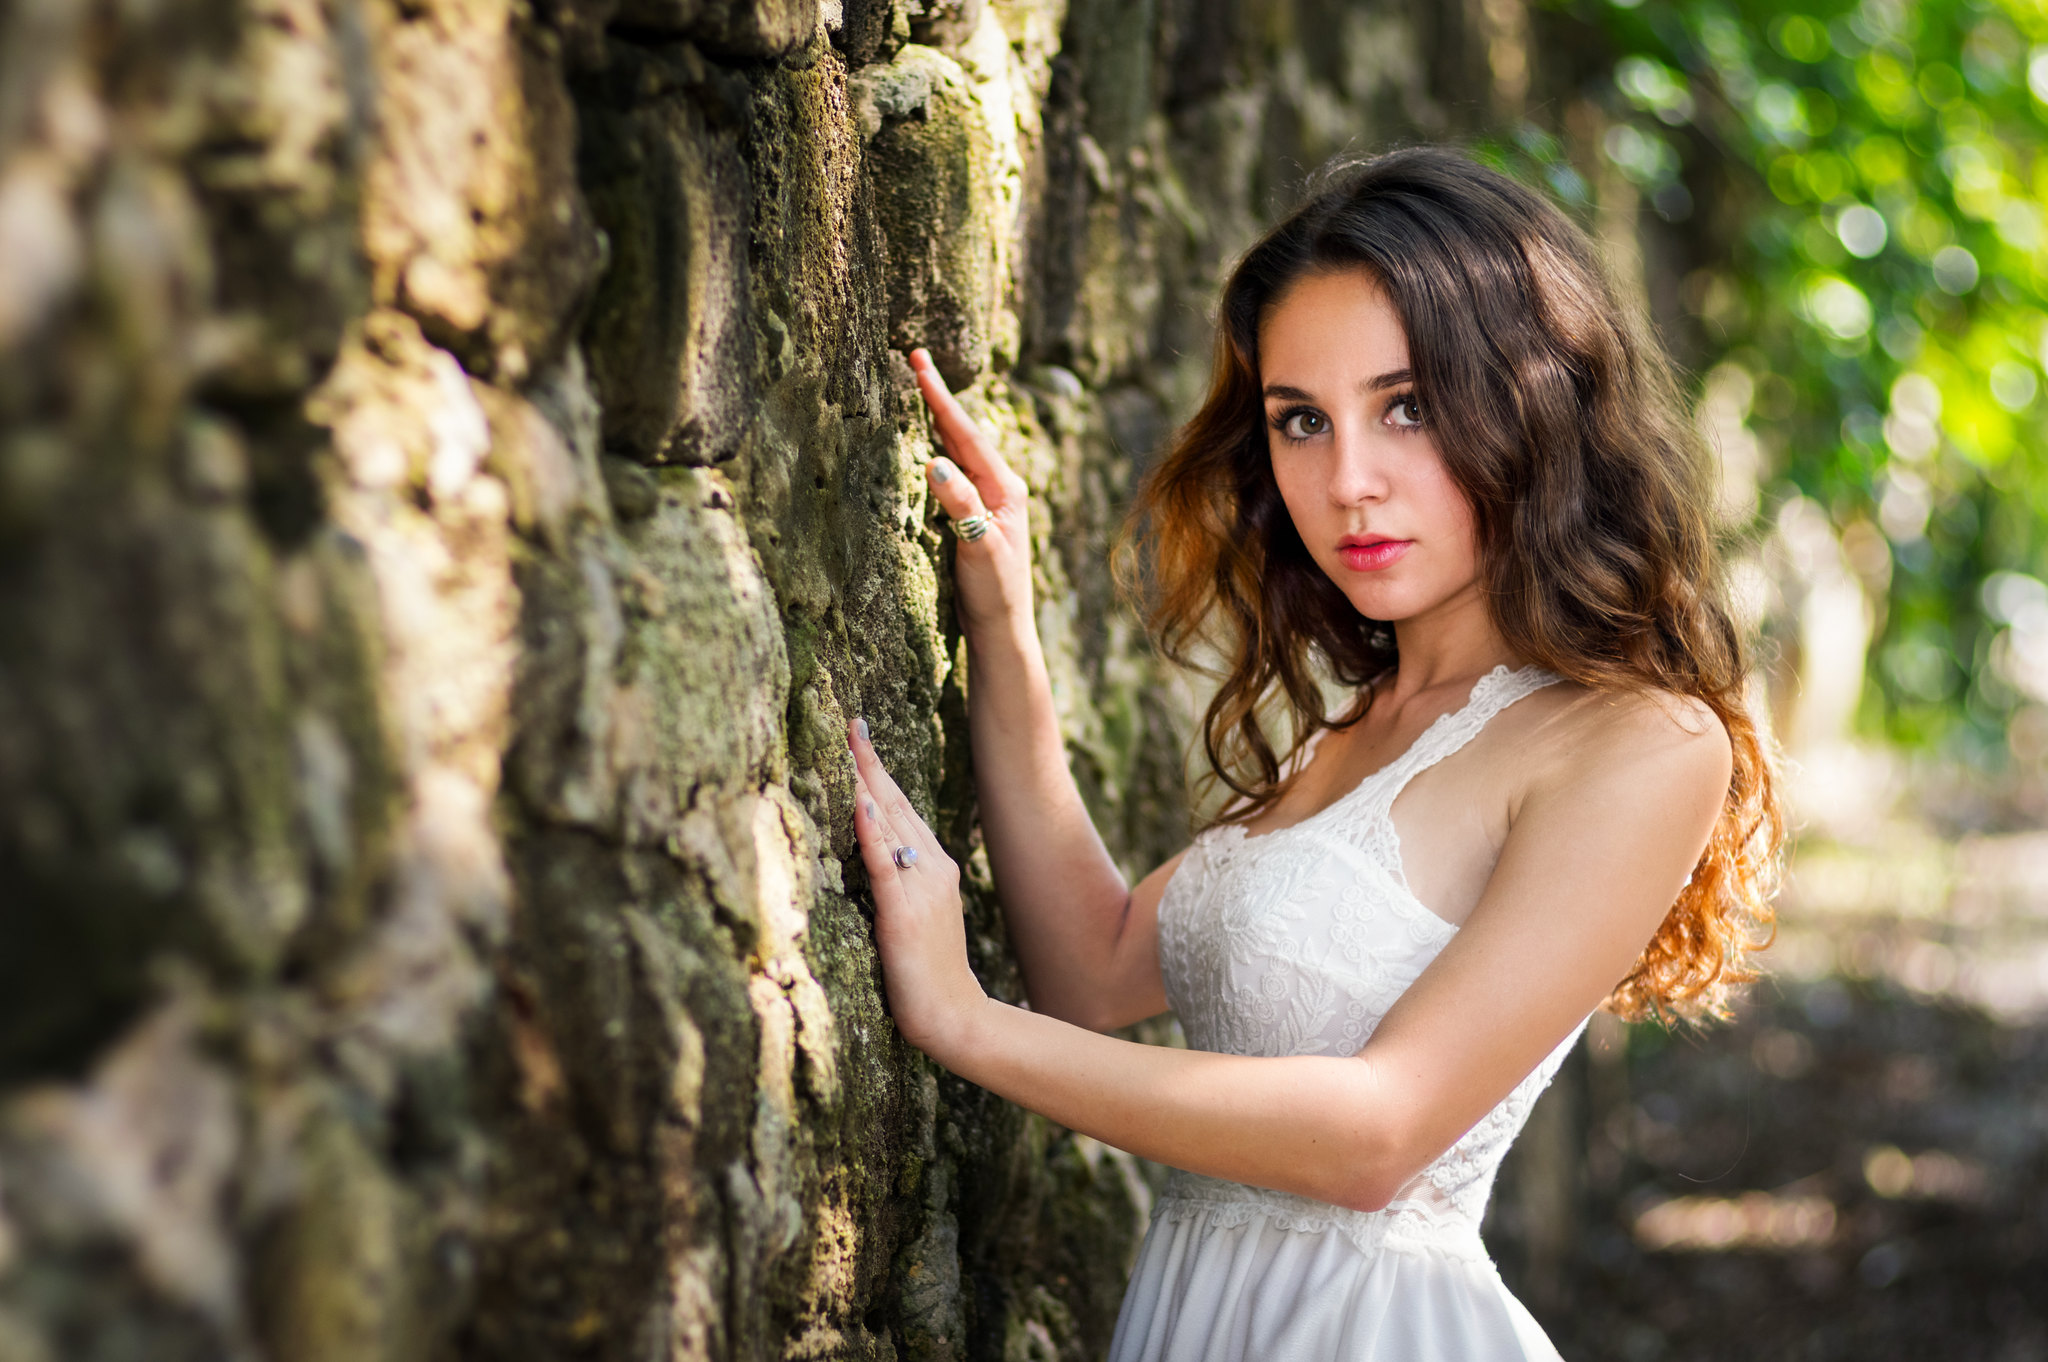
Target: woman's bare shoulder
pixel 1675 741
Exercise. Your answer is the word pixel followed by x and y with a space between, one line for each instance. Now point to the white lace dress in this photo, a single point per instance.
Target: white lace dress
pixel 1297 942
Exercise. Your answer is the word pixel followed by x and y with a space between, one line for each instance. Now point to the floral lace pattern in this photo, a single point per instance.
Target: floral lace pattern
pixel 1297 942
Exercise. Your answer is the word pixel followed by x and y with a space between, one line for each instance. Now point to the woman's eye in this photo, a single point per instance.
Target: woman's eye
pixel 1305 425
pixel 1406 411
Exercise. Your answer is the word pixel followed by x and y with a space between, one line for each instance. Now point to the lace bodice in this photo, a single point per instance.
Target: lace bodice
pixel 1297 942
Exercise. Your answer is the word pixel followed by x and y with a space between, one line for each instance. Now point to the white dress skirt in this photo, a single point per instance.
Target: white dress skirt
pixel 1297 942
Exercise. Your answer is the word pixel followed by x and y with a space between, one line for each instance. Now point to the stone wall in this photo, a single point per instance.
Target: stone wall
pixel 457 481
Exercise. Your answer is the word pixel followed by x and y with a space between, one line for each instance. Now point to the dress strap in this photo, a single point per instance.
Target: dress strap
pixel 1491 694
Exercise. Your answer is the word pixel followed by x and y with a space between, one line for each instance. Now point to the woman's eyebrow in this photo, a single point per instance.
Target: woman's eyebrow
pixel 1287 394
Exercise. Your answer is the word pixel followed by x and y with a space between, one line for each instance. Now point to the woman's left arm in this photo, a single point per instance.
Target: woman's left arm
pixel 1596 853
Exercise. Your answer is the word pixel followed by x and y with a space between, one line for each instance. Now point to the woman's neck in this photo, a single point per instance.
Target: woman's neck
pixel 1454 641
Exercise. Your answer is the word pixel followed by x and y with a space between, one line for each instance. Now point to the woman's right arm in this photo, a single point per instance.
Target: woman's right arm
pixel 1088 946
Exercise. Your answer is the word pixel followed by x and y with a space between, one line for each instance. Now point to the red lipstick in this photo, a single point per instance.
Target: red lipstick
pixel 1371 552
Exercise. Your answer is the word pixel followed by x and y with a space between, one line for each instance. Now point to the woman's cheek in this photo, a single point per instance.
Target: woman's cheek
pixel 1298 495
pixel 1464 533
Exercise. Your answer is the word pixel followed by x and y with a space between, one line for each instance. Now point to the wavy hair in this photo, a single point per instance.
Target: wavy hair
pixel 1557 415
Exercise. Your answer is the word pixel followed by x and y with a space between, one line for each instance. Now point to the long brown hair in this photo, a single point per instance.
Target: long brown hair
pixel 1557 415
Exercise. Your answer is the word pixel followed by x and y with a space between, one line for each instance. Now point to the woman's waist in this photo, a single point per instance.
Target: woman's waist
pixel 1409 1224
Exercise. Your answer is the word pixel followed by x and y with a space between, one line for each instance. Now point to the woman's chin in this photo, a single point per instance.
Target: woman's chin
pixel 1383 605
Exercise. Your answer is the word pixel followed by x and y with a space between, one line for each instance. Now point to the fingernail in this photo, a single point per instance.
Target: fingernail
pixel 860 726
pixel 941 471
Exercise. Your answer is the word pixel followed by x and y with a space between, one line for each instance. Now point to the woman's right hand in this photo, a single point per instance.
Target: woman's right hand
pixel 992 574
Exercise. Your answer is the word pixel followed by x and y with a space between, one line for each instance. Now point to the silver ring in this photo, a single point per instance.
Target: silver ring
pixel 971 528
pixel 905 857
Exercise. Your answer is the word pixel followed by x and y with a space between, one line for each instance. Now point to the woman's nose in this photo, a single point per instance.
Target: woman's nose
pixel 1359 474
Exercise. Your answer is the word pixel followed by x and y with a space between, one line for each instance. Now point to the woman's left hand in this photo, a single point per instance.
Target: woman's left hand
pixel 919 926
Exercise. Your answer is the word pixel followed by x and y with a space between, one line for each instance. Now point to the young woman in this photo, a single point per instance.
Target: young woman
pixel 1439 465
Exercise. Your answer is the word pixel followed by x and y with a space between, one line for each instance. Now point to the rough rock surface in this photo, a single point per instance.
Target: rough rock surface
pixel 457 482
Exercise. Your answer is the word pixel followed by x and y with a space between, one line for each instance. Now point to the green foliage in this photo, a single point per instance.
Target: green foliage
pixel 1867 183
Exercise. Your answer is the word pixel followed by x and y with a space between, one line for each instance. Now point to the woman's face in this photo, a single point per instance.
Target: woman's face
pixel 1356 457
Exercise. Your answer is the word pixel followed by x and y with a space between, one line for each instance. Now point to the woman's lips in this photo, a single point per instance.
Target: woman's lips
pixel 1372 557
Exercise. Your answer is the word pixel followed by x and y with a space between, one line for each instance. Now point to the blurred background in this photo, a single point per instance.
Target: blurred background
pixel 1840 232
